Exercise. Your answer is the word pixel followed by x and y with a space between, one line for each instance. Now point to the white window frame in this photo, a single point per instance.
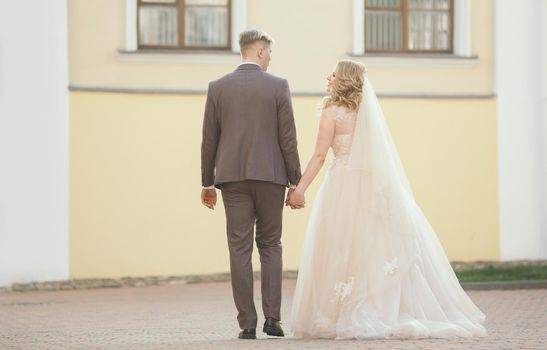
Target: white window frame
pixel 239 23
pixel 462 28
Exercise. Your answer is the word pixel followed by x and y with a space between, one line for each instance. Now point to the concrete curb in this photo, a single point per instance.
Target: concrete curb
pixel 76 284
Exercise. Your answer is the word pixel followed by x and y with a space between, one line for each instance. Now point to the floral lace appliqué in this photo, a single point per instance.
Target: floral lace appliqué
pixel 341 113
pixel 390 267
pixel 342 290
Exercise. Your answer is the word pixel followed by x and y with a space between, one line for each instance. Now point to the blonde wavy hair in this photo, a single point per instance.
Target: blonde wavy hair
pixel 347 89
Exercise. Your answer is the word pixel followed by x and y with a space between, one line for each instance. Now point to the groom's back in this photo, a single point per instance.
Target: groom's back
pixel 257 139
pixel 249 150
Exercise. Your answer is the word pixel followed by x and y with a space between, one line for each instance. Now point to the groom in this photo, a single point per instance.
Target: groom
pixel 249 151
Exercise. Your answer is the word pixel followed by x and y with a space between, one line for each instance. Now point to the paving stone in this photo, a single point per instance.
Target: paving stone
pixel 179 315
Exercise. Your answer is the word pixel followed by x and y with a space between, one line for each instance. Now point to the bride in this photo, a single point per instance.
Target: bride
pixel 372 266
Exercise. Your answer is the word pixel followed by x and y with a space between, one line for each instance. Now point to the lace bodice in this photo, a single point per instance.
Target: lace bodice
pixel 343 134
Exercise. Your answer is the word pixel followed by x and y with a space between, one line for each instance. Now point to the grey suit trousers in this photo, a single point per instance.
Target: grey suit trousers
pixel 249 203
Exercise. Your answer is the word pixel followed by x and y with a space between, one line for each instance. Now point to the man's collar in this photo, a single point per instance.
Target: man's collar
pixel 247 62
pixel 249 66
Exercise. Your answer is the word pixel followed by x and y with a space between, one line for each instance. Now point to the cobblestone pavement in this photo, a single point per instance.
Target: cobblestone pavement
pixel 202 316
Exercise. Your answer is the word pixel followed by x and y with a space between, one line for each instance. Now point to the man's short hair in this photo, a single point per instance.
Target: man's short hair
pixel 251 36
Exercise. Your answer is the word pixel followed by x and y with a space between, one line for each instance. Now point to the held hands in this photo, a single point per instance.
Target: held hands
pixel 209 197
pixel 295 199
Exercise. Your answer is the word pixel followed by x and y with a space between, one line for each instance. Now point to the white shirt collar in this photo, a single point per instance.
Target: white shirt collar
pixel 242 63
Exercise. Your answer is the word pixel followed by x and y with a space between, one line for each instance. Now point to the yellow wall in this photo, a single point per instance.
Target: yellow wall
pixel 135 158
pixel 135 181
pixel 449 150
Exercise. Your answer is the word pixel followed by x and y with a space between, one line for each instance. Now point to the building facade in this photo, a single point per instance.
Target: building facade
pixel 463 93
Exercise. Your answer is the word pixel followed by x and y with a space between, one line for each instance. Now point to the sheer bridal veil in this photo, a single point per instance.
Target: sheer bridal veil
pixel 401 272
pixel 373 150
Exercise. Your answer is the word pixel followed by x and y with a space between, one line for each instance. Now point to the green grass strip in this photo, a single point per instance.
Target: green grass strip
pixel 510 273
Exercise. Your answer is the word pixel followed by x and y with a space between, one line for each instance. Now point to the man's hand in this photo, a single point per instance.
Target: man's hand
pixel 296 199
pixel 209 197
pixel 291 190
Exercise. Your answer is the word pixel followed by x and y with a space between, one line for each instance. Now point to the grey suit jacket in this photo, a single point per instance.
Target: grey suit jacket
pixel 248 130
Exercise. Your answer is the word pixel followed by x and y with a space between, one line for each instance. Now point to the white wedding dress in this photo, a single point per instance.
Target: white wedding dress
pixel 372 266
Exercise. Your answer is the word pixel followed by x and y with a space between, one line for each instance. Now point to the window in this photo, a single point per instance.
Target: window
pixel 189 24
pixel 409 25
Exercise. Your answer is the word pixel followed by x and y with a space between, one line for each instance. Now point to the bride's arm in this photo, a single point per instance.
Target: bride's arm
pixel 324 139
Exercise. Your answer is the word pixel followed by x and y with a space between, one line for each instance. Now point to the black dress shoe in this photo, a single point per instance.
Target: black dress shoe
pixel 248 333
pixel 273 327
